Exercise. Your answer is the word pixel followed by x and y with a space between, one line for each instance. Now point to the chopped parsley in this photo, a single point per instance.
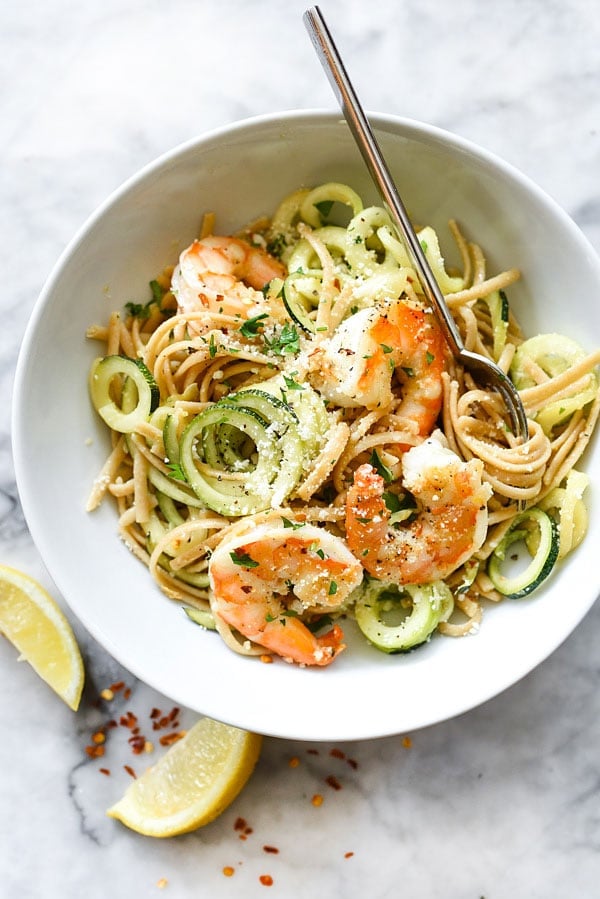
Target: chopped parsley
pixel 291 384
pixel 251 327
pixel 294 525
pixel 287 613
pixel 324 207
pixel 157 291
pixel 332 588
pixel 243 559
pixel 176 471
pixel 318 623
pixel 276 245
pixel 380 468
pixel 286 341
pixel 142 310
pixel 392 502
pixel 139 310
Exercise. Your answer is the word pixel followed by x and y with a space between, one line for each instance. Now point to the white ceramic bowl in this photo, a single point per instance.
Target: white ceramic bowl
pixel 241 172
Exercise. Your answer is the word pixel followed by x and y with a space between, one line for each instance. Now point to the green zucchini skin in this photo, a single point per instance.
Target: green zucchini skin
pixel 294 305
pixel 218 436
pixel 543 559
pixel 202 617
pixel 430 604
pixel 137 403
pixel 497 303
pixel 554 354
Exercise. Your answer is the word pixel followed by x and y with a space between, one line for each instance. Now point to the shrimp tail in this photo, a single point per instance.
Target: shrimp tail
pixel 296 643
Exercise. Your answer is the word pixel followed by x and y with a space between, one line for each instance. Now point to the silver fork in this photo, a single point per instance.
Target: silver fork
pixel 484 370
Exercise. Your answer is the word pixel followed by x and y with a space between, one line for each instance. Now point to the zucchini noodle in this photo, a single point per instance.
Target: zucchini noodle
pixel 232 406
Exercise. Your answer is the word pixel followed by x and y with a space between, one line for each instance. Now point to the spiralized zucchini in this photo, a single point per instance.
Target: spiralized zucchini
pixel 218 422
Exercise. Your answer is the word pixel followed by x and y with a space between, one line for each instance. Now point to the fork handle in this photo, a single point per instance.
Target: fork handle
pixel 377 166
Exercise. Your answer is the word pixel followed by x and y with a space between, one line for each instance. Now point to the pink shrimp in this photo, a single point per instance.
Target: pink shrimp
pixel 223 274
pixel 267 583
pixel 397 339
pixel 450 522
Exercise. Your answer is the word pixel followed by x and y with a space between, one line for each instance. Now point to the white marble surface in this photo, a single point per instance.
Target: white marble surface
pixel 503 802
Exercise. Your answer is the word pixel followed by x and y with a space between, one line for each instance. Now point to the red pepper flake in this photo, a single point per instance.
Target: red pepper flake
pixel 173 737
pixel 312 751
pixel 128 720
pixel 111 724
pixel 126 693
pixel 337 754
pixel 155 713
pixel 130 771
pixel 266 880
pixel 95 752
pixel 105 771
pixel 137 743
pixel 174 713
pixel 272 849
pixel 348 854
pixel 353 763
pixel 333 782
pixel 228 871
pixel 118 686
pixel 241 826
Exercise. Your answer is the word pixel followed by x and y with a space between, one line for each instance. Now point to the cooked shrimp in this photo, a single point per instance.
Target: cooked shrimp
pixel 266 583
pixel 223 274
pixel 394 340
pixel 450 522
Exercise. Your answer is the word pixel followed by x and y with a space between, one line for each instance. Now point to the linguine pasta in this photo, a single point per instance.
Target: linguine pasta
pixel 195 471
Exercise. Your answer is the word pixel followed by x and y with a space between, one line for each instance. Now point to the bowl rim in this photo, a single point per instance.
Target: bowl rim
pixel 413 129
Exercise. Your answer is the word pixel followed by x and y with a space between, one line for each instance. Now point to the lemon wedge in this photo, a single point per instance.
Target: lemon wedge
pixel 35 624
pixel 193 782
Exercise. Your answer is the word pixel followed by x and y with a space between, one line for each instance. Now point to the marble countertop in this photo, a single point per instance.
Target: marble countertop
pixel 501 802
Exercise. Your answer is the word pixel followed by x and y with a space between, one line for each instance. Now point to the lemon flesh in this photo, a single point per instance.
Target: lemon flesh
pixel 196 780
pixel 36 626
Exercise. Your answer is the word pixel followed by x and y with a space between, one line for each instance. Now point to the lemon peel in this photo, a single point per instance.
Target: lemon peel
pixel 35 624
pixel 193 783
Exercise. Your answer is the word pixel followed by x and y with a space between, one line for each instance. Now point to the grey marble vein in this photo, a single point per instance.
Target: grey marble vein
pixel 502 802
